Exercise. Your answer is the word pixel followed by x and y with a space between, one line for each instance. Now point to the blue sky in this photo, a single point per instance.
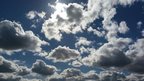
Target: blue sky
pixel 71 39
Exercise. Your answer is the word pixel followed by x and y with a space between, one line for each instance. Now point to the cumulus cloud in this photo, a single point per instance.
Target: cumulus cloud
pixel 111 76
pixel 40 67
pixel 9 77
pixel 82 41
pixel 13 37
pixel 71 72
pixel 136 53
pixel 90 76
pixel 63 54
pixel 110 54
pixel 65 19
pixel 73 18
pixel 123 27
pixel 7 66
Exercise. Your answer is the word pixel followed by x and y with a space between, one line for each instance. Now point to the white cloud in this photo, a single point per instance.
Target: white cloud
pixel 123 27
pixel 136 49
pixel 96 32
pixel 33 14
pixel 65 19
pixel 74 18
pixel 82 41
pixel 139 24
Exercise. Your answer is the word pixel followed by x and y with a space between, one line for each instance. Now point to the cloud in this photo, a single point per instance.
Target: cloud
pixel 91 75
pixel 71 72
pixel 82 41
pixel 13 37
pixel 109 55
pixel 135 77
pixel 7 66
pixel 96 32
pixel 23 71
pixel 40 67
pixel 33 14
pixel 116 58
pixel 139 24
pixel 111 76
pixel 9 77
pixel 68 75
pixel 65 19
pixel 73 18
pixel 63 54
pixel 135 52
pixel 76 63
pixel 142 32
pixel 123 27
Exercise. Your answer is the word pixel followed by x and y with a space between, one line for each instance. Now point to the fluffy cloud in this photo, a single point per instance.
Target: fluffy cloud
pixel 63 54
pixel 65 19
pixel 114 57
pixel 136 53
pixel 110 54
pixel 74 18
pixel 69 74
pixel 41 68
pixel 13 37
pixel 9 77
pixel 89 76
pixel 82 41
pixel 7 66
pixel 123 27
pixel 111 76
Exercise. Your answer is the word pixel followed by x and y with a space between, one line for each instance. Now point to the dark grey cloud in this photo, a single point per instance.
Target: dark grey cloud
pixel 136 53
pixel 117 59
pixel 13 37
pixel 7 66
pixel 110 54
pixel 23 71
pixel 137 65
pixel 40 67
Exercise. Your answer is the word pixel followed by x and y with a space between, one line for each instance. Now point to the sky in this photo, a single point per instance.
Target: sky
pixel 71 40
